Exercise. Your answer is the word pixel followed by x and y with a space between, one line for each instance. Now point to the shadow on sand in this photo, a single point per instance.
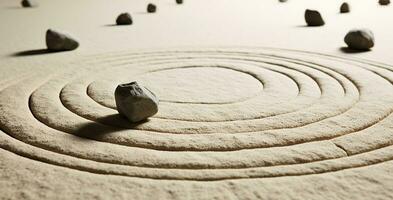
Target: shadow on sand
pixel 348 50
pixel 105 126
pixel 33 52
pixel 112 25
pixel 17 7
pixel 307 26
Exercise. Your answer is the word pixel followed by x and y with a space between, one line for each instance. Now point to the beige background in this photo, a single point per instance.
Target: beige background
pixel 203 23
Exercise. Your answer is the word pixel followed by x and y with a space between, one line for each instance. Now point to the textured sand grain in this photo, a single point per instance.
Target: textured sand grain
pixel 234 122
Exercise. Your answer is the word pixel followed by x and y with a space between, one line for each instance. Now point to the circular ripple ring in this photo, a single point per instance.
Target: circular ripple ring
pixel 224 114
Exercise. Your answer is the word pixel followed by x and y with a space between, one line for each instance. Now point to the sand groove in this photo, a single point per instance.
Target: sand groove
pixel 225 114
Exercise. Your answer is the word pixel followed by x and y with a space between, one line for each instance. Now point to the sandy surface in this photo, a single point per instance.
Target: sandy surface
pixel 241 116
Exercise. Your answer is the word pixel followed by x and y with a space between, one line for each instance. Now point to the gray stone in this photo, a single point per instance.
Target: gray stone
pixel 359 39
pixel 282 1
pixel 179 1
pixel 124 19
pixel 151 8
pixel 29 3
pixel 135 102
pixel 384 2
pixel 313 18
pixel 56 41
pixel 344 8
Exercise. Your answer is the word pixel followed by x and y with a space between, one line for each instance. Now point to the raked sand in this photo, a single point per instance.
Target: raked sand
pixel 254 105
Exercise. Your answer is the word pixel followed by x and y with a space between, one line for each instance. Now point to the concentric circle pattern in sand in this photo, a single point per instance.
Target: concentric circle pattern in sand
pixel 224 114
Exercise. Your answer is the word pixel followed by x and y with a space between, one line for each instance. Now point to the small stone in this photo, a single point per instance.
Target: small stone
pixel 384 2
pixel 313 18
pixel 151 8
pixel 344 8
pixel 124 19
pixel 135 102
pixel 29 3
pixel 359 39
pixel 179 1
pixel 56 41
pixel 282 1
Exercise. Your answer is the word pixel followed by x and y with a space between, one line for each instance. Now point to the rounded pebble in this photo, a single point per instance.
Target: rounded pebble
pixel 384 2
pixel 344 8
pixel 56 41
pixel 124 19
pixel 313 18
pixel 359 39
pixel 135 102
pixel 151 8
pixel 29 3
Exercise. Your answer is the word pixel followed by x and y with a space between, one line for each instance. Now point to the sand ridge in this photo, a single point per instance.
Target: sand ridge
pixel 290 137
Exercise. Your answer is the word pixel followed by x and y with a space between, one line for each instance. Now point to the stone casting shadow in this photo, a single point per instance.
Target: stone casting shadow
pixel 348 50
pixel 16 7
pixel 105 126
pixel 307 26
pixel 112 25
pixel 33 52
